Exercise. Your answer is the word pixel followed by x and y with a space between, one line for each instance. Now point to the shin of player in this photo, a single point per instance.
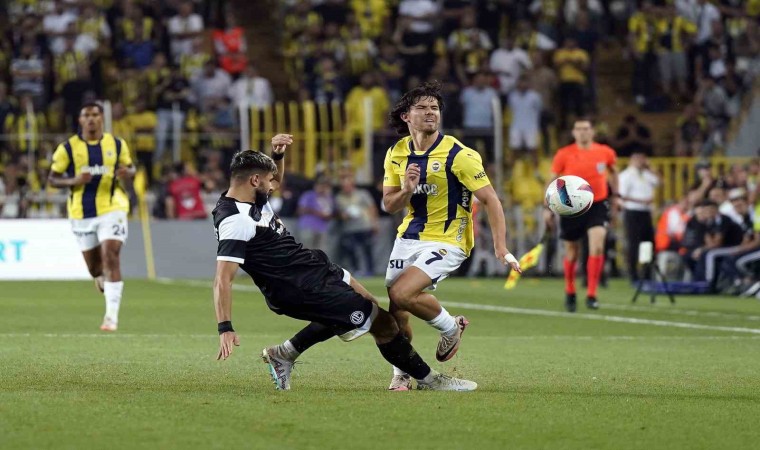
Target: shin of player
pixel 435 177
pixel 95 166
pixel 595 163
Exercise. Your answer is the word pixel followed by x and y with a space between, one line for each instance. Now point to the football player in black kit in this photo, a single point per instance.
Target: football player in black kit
pixel 297 282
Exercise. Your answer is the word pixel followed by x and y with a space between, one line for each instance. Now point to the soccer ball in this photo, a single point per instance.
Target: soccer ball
pixel 569 196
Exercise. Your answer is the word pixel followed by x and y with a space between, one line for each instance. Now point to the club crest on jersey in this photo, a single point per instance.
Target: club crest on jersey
pixel 436 166
pixel 427 189
pixel 96 170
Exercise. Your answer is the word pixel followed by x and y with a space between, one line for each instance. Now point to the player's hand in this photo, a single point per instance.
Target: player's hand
pixel 280 142
pixel 122 172
pixel 226 342
pixel 83 178
pixel 508 259
pixel 412 178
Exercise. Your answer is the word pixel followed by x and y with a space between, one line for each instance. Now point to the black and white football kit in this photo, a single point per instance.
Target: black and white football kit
pixel 297 282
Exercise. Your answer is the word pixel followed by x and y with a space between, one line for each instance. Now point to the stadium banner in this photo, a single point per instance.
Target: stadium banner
pixel 40 250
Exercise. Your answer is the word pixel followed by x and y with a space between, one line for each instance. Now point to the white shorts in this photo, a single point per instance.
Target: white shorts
pixel 436 259
pixel 91 232
pixel 520 139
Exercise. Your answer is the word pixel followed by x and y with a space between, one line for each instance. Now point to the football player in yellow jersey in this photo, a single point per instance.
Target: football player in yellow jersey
pixel 94 165
pixel 434 176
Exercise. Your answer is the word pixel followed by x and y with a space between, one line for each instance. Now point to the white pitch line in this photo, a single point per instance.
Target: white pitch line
pixel 524 311
pixel 679 312
pixel 602 317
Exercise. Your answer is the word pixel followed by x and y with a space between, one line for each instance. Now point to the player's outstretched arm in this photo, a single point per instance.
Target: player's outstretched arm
pixel 57 179
pixel 491 203
pixel 225 273
pixel 279 144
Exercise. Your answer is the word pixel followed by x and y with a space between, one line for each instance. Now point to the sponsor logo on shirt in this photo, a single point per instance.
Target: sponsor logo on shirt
pixel 97 170
pixel 427 189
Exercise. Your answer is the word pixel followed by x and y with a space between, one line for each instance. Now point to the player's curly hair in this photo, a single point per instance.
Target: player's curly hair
pixel 247 162
pixel 428 89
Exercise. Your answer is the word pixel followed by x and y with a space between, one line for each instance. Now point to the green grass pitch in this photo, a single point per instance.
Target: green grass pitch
pixel 683 376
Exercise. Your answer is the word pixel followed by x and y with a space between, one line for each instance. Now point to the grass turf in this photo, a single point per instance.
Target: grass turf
pixel 555 381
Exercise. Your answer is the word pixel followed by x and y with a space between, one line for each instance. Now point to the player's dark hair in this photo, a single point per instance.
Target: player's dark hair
pixel 706 202
pixel 588 119
pixel 247 162
pixel 430 89
pixel 91 105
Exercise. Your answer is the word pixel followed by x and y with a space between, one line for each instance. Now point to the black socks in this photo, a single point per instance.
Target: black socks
pixel 311 334
pixel 401 354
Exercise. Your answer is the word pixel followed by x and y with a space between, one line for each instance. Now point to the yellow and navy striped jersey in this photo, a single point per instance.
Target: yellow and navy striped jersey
pixel 103 193
pixel 441 206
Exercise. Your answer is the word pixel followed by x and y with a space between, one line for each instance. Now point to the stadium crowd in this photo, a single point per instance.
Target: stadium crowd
pixel 185 62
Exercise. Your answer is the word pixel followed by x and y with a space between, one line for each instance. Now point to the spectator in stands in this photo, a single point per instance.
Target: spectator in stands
pixel 414 37
pixel 230 46
pixel 633 137
pixel 252 89
pixel 450 89
pixel 55 24
pixel 703 183
pixel 66 64
pixel 184 200
pixel 391 68
pixel 719 195
pixel 477 112
pixel 369 88
pixel 587 38
pixel 572 65
pixel 315 210
pixel 674 34
pixel 7 106
pixel 25 125
pixel 183 28
pixel 525 106
pixel 531 40
pixel 93 23
pixel 211 85
pixel 705 15
pixel 72 93
pixel 371 15
pixel 192 64
pixel 327 84
pixel 669 236
pixel 640 46
pixel 544 81
pixel 138 53
pixel 143 123
pixel 219 124
pixel 154 75
pixel 27 72
pixel 508 63
pixel 358 223
pixel 360 55
pixel 714 100
pixel 469 46
pixel 573 9
pixel 691 132
pixel 173 92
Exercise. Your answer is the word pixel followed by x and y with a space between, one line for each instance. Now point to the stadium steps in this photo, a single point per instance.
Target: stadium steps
pixel 616 100
pixel 260 19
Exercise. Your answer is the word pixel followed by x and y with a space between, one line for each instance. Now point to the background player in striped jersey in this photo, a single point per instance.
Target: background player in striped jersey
pixel 593 162
pixel 95 165
pixel 435 177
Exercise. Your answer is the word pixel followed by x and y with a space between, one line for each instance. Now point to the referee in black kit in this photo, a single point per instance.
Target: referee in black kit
pixel 636 185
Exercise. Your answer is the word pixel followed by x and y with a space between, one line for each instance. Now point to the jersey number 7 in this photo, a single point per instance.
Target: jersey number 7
pixel 436 257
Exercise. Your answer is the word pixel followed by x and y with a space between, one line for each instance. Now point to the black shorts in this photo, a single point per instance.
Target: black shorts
pixel 575 228
pixel 333 303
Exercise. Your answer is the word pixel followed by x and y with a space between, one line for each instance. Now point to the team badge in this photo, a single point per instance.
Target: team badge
pixel 357 317
pixel 436 166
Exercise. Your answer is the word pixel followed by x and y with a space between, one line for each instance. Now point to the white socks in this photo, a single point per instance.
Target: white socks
pixel 289 350
pixel 444 323
pixel 397 371
pixel 112 291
